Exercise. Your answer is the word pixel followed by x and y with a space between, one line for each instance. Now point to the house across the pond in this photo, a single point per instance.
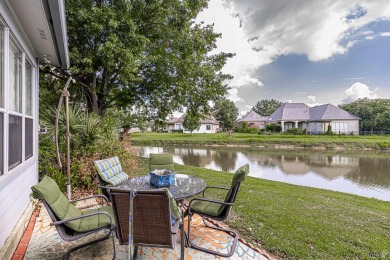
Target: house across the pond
pixel 208 125
pixel 253 120
pixel 31 32
pixel 315 120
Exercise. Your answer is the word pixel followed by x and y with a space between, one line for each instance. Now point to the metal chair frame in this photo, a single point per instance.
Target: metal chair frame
pixel 223 216
pixel 68 234
pixel 115 200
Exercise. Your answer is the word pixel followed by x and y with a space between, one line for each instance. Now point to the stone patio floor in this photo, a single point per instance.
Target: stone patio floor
pixel 45 243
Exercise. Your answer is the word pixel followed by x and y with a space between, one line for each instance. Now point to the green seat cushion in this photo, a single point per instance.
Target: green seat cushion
pixel 239 176
pixel 161 161
pixel 48 190
pixel 209 208
pixel 110 170
pixel 97 221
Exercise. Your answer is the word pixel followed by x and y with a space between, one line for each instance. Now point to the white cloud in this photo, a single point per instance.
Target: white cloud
pixel 233 95
pixel 243 65
pixel 385 34
pixel 312 98
pixel 259 32
pixel 370 37
pixel 358 90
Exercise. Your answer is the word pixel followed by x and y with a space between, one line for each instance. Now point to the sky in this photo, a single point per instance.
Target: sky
pixel 309 51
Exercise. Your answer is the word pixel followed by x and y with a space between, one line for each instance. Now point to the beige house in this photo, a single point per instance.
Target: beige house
pixel 315 119
pixel 253 120
pixel 208 125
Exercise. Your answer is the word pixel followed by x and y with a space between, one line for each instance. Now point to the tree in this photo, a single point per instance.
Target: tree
pixel 226 114
pixel 374 113
pixel 143 53
pixel 266 107
pixel 191 122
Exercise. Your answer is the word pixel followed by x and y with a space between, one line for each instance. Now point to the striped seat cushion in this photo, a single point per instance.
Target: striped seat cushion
pixel 110 171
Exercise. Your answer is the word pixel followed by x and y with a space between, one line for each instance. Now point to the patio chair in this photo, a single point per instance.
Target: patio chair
pixel 161 161
pixel 152 223
pixel 72 223
pixel 216 210
pixel 110 174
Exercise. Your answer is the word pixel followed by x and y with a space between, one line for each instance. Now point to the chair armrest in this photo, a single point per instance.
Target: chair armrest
pixel 80 217
pixel 209 200
pixel 90 197
pixel 214 187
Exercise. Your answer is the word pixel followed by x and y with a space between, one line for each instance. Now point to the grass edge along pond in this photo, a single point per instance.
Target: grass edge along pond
pixel 351 142
pixel 300 222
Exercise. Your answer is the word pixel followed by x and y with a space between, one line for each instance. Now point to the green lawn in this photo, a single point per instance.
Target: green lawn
pixel 300 222
pixel 307 141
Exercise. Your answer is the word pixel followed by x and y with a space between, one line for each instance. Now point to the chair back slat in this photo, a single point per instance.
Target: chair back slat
pixel 151 217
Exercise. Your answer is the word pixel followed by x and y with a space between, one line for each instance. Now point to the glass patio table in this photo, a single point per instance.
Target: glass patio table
pixel 185 186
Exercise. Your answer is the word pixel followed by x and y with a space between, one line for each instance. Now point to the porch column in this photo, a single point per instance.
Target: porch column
pixel 296 124
pixel 282 123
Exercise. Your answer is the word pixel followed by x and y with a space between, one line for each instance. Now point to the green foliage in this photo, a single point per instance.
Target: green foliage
pixel 296 131
pixel 329 130
pixel 191 122
pixel 149 54
pixel 274 128
pixel 226 113
pixel 266 107
pixel 92 138
pixel 374 113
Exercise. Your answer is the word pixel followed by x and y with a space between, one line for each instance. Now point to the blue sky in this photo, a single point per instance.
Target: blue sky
pixel 316 52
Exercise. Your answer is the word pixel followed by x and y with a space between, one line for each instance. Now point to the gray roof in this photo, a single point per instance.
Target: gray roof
pixel 291 111
pixel 252 116
pixel 330 112
pixel 207 120
pixel 302 112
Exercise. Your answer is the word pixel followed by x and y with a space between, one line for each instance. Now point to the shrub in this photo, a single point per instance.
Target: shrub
pixel 92 138
pixel 274 128
pixel 177 131
pixel 296 131
pixel 329 131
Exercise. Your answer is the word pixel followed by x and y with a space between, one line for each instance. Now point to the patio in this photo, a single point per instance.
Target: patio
pixel 45 243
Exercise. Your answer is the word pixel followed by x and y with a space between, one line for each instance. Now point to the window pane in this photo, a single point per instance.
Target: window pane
pixel 15 78
pixel 1 144
pixel 14 141
pixel 1 66
pixel 29 134
pixel 29 85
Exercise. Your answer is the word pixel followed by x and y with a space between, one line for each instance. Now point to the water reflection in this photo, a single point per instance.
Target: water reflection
pixel 365 174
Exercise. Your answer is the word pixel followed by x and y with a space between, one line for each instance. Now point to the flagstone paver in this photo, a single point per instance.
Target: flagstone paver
pixel 45 243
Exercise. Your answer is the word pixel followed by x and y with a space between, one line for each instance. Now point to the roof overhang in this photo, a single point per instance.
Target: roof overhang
pixel 44 23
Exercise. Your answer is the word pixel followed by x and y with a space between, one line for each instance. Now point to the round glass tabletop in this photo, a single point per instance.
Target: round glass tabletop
pixel 185 186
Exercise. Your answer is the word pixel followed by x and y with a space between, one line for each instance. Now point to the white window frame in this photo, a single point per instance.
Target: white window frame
pixel 8 35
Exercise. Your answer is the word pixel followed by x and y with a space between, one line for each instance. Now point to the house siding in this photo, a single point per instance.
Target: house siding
pixel 203 129
pixel 15 185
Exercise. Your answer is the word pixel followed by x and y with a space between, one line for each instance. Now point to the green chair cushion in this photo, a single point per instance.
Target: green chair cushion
pixel 239 176
pixel 209 208
pixel 161 161
pixel 97 221
pixel 48 190
pixel 110 170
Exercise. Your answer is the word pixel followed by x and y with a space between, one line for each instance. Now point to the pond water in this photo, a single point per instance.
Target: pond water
pixel 365 173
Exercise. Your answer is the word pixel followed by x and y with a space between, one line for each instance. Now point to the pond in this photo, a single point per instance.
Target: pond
pixel 362 173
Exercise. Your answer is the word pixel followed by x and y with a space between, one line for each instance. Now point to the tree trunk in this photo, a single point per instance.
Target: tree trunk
pixel 230 132
pixel 94 105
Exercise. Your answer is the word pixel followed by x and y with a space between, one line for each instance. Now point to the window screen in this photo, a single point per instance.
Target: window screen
pixel 29 134
pixel 15 78
pixel 1 144
pixel 29 85
pixel 14 141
